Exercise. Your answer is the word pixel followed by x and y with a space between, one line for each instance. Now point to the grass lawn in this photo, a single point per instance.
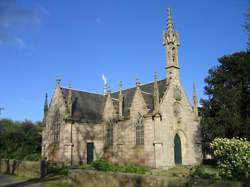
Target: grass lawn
pixel 63 182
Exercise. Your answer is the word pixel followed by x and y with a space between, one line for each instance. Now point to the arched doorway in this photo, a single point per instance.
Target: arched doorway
pixel 177 150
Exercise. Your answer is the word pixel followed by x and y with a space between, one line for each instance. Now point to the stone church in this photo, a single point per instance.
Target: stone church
pixel 151 124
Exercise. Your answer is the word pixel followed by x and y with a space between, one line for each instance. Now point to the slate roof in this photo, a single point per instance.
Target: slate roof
pixel 88 107
pixel 147 92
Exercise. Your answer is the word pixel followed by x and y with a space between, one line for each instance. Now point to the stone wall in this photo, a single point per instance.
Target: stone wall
pixel 80 178
pixel 21 168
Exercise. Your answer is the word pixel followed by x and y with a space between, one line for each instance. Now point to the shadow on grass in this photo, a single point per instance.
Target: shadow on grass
pixel 33 181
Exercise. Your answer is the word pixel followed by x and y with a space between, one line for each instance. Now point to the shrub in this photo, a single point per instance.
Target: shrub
pixel 58 170
pixel 104 165
pixel 33 157
pixel 203 172
pixel 233 157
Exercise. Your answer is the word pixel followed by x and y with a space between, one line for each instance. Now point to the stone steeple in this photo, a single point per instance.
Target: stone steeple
pixel 171 43
pixel 156 94
pixel 195 103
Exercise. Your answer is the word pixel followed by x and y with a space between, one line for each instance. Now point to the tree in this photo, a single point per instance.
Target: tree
pixel 20 140
pixel 247 27
pixel 226 111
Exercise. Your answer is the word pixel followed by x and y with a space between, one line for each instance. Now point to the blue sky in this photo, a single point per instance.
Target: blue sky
pixel 82 39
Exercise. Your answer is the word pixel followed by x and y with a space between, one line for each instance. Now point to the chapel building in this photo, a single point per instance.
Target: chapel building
pixel 152 124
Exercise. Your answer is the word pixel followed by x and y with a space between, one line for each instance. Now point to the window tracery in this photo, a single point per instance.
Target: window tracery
pixel 139 129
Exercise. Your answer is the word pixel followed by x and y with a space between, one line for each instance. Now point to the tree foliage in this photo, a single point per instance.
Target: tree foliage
pixel 247 27
pixel 20 140
pixel 226 111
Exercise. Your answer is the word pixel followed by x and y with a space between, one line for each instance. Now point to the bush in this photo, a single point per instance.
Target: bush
pixel 233 157
pixel 57 170
pixel 33 157
pixel 203 172
pixel 104 165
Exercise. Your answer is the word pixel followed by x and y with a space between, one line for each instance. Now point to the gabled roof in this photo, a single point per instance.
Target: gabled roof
pixel 88 107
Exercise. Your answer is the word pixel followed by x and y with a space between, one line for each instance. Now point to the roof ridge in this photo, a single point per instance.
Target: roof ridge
pixel 140 86
pixel 82 91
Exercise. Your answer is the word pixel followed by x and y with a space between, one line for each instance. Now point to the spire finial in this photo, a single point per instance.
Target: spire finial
pixel 45 104
pixel 155 76
pixel 120 100
pixel 69 101
pixel 108 89
pixel 156 94
pixel 194 89
pixel 58 80
pixel 120 87
pixel 137 83
pixel 170 22
pixel 195 102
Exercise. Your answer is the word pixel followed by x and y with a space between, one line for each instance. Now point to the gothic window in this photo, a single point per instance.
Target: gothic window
pixel 56 127
pixel 110 134
pixel 139 128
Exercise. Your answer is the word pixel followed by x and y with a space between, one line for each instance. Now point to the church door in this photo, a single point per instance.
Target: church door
pixel 90 152
pixel 177 150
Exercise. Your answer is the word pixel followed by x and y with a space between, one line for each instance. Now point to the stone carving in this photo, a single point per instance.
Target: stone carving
pixel 177 94
pixel 177 109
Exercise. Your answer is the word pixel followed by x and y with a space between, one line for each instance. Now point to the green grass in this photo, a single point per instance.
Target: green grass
pixel 177 172
pixel 58 183
pixel 104 165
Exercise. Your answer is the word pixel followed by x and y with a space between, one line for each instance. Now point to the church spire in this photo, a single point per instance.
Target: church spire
pixel 156 94
pixel 171 43
pixel 195 102
pixel 170 21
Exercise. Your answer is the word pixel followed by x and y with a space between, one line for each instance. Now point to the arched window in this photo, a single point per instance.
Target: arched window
pixel 139 128
pixel 177 150
pixel 110 134
pixel 139 135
